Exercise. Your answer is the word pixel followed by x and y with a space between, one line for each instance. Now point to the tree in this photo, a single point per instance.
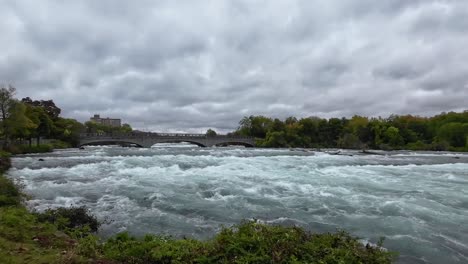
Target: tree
pixel 68 130
pixel 254 126
pixel 350 141
pixel 18 124
pixel 211 133
pixel 43 124
pixel 7 103
pixel 126 128
pixel 454 133
pixel 48 105
pixel 275 140
pixel 359 126
pixel 393 137
pixel 277 125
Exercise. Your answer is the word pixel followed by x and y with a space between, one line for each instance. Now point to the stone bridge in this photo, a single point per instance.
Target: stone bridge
pixel 147 140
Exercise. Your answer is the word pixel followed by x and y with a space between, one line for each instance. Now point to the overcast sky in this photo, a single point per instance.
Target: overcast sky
pixel 189 65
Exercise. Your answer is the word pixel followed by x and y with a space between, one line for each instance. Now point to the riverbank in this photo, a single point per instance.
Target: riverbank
pixel 16 149
pixel 27 237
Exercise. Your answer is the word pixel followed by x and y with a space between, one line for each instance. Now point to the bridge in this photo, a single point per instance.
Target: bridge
pixel 147 140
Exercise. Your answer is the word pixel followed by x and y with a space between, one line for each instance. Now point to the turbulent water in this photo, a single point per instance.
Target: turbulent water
pixel 418 201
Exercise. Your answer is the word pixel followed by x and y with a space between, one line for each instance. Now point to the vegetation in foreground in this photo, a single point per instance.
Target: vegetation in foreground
pixel 68 235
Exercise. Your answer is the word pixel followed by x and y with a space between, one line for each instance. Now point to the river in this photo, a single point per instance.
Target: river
pixel 417 201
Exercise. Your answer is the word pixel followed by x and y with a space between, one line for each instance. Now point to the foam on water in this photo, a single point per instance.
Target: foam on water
pixel 419 201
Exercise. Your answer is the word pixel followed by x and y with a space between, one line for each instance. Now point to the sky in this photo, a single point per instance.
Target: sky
pixel 185 66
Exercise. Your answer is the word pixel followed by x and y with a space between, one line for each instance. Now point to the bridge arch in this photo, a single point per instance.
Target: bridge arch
pixel 180 141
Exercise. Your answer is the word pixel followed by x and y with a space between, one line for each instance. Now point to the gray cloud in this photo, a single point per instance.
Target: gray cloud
pixel 187 66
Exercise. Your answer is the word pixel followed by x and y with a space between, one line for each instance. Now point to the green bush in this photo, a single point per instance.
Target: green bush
pixel 36 149
pixel 67 219
pixel 418 145
pixel 5 162
pixel 9 193
pixel 249 242
pixel 58 144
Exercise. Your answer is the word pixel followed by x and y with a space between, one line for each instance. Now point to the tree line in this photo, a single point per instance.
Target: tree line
pixel 446 131
pixel 29 120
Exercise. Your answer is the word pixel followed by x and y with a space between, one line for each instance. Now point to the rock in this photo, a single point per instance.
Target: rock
pixel 40 159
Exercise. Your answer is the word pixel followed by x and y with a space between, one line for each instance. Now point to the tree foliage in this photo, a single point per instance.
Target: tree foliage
pixel 47 105
pixel 447 131
pixel 93 127
pixel 211 133
pixel 28 119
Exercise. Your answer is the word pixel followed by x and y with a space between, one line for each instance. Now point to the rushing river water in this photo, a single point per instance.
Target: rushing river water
pixel 418 201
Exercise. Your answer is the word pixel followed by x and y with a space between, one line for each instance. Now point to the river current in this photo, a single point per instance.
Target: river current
pixel 417 201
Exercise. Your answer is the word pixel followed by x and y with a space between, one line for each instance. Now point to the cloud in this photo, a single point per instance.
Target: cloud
pixel 188 66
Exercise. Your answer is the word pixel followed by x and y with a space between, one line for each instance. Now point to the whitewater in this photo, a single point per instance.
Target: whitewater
pixel 418 201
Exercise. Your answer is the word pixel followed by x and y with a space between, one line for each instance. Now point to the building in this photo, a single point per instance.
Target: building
pixel 113 122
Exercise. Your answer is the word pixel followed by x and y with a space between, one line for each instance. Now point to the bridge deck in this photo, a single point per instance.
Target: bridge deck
pixel 149 139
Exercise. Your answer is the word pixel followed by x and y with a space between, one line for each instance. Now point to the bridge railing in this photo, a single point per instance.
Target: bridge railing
pixel 152 134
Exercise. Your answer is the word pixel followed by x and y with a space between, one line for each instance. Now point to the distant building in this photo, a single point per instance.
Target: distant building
pixel 114 122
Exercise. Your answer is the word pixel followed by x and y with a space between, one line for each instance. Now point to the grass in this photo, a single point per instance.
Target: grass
pixel 68 235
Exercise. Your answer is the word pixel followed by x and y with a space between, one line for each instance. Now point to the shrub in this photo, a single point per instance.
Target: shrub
pixel 9 193
pixel 418 145
pixel 70 218
pixel 36 149
pixel 5 162
pixel 249 242
pixel 252 242
pixel 58 144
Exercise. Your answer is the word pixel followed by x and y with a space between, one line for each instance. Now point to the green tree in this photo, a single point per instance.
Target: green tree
pixel 277 125
pixel 275 140
pixel 126 128
pixel 68 130
pixel 454 133
pixel 254 126
pixel 48 105
pixel 43 124
pixel 359 126
pixel 7 103
pixel 393 137
pixel 211 133
pixel 350 141
pixel 309 130
pixel 18 125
